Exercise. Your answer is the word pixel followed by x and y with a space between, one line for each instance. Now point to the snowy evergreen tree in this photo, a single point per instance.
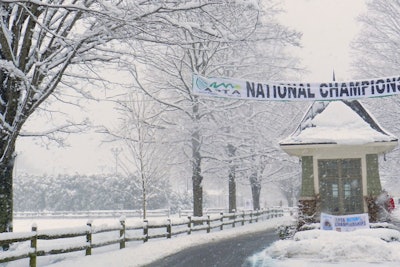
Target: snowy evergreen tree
pixel 82 193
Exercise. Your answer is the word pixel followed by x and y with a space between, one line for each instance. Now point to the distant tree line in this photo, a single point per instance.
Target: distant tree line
pixel 90 192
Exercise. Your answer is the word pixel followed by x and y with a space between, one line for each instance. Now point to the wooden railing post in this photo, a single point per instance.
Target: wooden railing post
pixel 257 214
pixel 243 217
pixel 208 224
pixel 169 228
pixel 222 221
pixel 89 238
pixel 146 230
pixel 234 218
pixel 33 255
pixel 190 225
pixel 122 233
pixel 251 216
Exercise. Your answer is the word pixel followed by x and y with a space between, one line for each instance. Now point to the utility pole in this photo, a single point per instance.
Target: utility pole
pixel 116 151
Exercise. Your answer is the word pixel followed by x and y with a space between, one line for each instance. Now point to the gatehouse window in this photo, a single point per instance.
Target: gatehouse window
pixel 340 186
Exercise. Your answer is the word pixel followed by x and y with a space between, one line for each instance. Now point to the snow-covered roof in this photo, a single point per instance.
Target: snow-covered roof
pixel 338 122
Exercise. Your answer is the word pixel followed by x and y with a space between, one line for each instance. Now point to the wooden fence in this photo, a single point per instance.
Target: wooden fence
pixel 142 231
pixel 91 213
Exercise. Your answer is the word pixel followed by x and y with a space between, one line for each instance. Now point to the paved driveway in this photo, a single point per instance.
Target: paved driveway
pixel 230 252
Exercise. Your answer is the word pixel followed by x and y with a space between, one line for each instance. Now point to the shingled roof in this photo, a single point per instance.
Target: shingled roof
pixel 338 122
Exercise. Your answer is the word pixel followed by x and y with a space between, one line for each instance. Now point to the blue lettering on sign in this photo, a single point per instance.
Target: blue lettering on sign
pixel 353 219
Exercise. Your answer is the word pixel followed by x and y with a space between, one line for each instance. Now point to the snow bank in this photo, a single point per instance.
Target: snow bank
pixel 318 248
pixel 370 245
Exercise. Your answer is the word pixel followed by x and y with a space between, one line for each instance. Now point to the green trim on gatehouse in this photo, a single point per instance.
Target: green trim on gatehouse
pixel 374 187
pixel 307 185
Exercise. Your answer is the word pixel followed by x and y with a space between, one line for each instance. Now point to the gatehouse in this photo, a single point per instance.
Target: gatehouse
pixel 338 144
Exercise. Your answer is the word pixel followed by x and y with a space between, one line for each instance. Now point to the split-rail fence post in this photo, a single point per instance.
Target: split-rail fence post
pixel 122 233
pixel 89 238
pixel 222 221
pixel 169 228
pixel 208 224
pixel 190 225
pixel 33 255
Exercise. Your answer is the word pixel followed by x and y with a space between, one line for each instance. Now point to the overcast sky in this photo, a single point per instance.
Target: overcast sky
pixel 328 27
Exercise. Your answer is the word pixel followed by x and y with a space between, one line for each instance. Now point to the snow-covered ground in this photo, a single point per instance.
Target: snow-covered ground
pixel 316 248
pixel 369 247
pixel 364 247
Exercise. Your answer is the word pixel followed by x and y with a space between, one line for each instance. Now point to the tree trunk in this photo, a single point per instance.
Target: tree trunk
pixel 144 198
pixel 197 178
pixel 232 190
pixel 11 124
pixel 232 180
pixel 197 195
pixel 255 190
pixel 6 197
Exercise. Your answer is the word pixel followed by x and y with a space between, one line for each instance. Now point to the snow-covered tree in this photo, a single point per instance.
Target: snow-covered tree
pixel 376 46
pixel 51 44
pixel 288 181
pixel 82 192
pixel 168 80
pixel 376 54
pixel 147 150
pixel 249 131
pixel 250 49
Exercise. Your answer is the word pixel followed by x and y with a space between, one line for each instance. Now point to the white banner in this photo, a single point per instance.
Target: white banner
pixel 344 223
pixel 295 91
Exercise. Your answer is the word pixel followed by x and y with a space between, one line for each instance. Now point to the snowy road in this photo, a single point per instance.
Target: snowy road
pixel 230 252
